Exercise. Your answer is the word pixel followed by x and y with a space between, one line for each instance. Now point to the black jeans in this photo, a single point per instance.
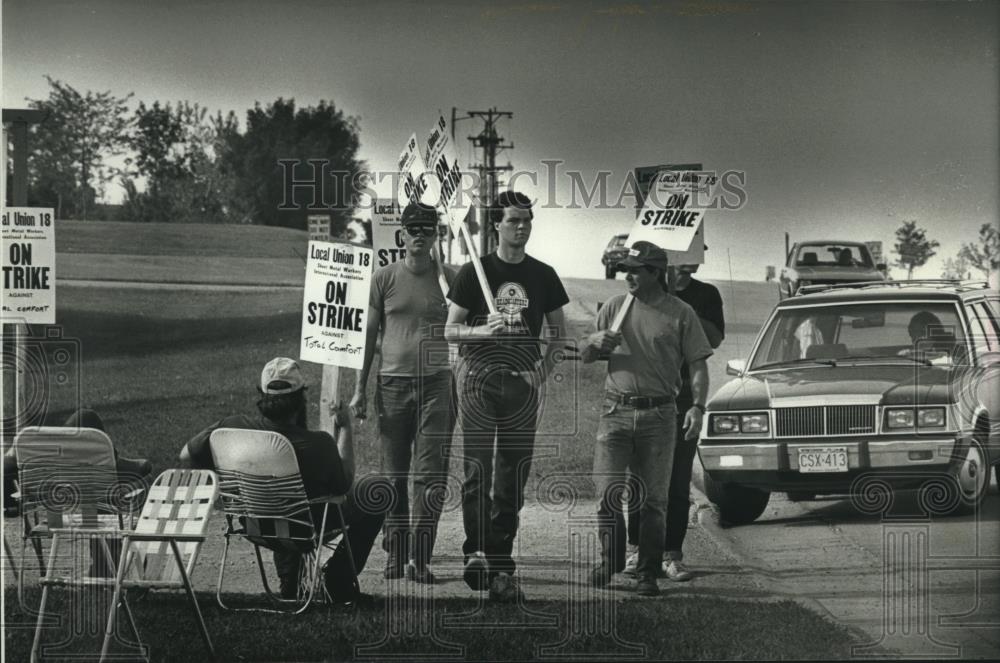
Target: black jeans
pixel 364 512
pixel 679 503
pixel 498 411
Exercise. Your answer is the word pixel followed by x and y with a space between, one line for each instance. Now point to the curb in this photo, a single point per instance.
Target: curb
pixel 708 520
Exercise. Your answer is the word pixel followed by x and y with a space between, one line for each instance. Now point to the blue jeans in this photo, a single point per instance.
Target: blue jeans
pixel 415 424
pixel 642 441
pixel 498 412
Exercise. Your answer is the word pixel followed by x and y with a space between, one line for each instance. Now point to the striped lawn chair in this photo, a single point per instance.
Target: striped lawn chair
pixel 159 553
pixel 266 504
pixel 67 477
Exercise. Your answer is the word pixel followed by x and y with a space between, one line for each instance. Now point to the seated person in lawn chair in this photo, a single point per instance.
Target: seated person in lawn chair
pixel 135 473
pixel 326 462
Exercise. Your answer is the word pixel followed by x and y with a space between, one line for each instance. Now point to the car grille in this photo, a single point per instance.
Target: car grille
pixel 824 420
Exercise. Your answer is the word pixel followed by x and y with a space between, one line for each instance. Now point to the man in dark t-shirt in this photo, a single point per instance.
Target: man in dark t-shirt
pixel 501 374
pixel 706 301
pixel 326 463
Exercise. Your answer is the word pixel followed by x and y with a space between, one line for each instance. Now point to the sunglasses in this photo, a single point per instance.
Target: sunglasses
pixel 417 231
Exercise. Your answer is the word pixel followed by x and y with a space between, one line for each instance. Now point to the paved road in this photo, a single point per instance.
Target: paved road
pixel 926 587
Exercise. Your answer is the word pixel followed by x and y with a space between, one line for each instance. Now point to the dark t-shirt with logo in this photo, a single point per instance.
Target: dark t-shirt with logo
pixel 524 292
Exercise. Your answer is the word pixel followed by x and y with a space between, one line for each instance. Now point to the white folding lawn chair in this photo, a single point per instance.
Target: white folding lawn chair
pixel 266 504
pixel 160 553
pixel 67 477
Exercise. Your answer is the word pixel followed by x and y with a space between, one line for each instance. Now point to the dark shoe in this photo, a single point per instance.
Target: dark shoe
pixel 647 586
pixel 394 567
pixel 424 576
pixel 600 575
pixel 476 571
pixel 288 588
pixel 504 588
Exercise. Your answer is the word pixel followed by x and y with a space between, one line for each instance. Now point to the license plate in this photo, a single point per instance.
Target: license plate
pixel 823 459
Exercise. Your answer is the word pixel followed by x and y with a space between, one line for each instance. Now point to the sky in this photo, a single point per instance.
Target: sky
pixel 847 118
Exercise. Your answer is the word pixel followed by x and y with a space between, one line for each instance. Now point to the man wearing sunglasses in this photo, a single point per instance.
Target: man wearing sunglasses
pixel 413 394
pixel 637 428
pixel 501 374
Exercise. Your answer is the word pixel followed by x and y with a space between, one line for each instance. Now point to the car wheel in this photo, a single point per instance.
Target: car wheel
pixel 609 272
pixel 801 496
pixel 738 505
pixel 965 489
pixel 973 475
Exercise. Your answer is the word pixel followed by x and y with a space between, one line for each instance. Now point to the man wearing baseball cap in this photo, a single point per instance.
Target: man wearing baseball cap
pixel 413 394
pixel 326 462
pixel 637 431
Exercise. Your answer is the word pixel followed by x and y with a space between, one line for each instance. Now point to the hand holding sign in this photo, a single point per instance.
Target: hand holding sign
pixel 496 323
pixel 605 340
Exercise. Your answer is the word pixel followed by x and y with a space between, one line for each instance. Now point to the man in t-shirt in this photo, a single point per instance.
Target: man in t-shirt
pixel 706 301
pixel 413 393
pixel 501 373
pixel 637 429
pixel 327 468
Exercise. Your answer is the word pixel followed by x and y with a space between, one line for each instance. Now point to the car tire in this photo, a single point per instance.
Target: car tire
pixel 738 505
pixel 609 272
pixel 965 489
pixel 800 496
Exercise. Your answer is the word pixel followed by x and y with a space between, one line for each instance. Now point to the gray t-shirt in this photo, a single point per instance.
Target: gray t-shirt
pixel 413 312
pixel 656 342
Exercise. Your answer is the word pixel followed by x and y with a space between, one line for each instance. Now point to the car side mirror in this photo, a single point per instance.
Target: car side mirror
pixel 881 267
pixel 736 367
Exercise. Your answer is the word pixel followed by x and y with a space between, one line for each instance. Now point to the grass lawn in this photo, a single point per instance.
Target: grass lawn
pixel 466 629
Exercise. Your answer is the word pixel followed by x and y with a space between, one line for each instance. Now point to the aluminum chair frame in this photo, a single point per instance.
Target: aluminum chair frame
pixel 265 503
pixel 176 511
pixel 71 475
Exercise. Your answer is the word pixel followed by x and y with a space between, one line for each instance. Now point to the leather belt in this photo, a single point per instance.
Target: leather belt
pixel 640 402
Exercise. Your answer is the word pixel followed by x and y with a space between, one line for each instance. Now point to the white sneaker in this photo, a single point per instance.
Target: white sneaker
pixel 675 570
pixel 631 565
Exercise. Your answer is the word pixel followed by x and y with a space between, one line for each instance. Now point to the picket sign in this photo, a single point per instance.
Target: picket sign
pixel 443 159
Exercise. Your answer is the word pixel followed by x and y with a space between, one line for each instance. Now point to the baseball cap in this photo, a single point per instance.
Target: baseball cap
pixel 418 214
pixel 645 254
pixel 281 375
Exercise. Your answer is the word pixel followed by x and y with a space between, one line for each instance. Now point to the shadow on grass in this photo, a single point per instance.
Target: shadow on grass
pixel 104 334
pixel 458 629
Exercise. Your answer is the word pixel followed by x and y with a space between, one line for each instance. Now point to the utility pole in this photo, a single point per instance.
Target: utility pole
pixel 491 144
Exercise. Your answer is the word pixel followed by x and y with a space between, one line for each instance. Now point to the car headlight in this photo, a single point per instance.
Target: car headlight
pixel 925 417
pixel 754 423
pixel 725 423
pixel 930 417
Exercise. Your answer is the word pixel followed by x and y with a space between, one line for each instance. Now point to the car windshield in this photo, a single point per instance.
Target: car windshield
pixel 833 255
pixel 618 241
pixel 928 333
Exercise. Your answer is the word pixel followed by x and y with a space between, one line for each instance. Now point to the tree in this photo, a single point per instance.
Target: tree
pixel 986 255
pixel 913 247
pixel 250 163
pixel 955 268
pixel 69 166
pixel 175 149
